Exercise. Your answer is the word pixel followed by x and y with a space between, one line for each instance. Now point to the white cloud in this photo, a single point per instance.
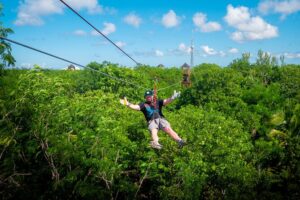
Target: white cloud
pixel 292 55
pixel 79 33
pixel 26 65
pixel 284 8
pixel 95 33
pixel 200 19
pixel 120 44
pixel 31 11
pixel 237 16
pixel 183 48
pixel 150 53
pixel 248 27
pixel 222 53
pixel 91 5
pixel 108 28
pixel 209 51
pixel 133 20
pixel 237 36
pixel 233 50
pixel 159 53
pixel 170 19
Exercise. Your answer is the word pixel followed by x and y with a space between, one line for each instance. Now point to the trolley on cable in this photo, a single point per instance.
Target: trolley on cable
pixel 186 75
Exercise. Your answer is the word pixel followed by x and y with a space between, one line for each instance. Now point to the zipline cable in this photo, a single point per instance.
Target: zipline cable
pixel 137 63
pixel 74 11
pixel 168 86
pixel 63 59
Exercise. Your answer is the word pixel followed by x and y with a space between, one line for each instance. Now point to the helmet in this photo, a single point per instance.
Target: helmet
pixel 148 93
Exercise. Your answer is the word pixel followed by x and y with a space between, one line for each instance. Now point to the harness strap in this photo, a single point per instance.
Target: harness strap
pixel 155 114
pixel 155 96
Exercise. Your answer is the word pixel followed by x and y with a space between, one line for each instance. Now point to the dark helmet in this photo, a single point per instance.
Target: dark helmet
pixel 148 93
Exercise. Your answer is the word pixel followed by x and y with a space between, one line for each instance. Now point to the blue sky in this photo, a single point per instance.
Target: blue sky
pixel 153 32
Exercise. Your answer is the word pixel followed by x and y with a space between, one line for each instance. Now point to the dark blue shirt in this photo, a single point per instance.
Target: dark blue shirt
pixel 150 112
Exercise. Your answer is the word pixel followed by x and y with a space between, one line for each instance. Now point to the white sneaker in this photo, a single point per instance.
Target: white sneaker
pixel 155 145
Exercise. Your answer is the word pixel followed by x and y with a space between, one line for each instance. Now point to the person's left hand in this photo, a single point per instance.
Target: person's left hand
pixel 175 95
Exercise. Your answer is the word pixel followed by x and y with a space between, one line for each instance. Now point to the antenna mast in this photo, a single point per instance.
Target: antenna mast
pixel 192 53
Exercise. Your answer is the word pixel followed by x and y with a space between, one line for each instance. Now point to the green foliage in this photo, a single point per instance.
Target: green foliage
pixel 241 64
pixel 64 134
pixel 5 50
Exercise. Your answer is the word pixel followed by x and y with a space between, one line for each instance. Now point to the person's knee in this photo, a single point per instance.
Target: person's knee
pixel 167 129
pixel 154 131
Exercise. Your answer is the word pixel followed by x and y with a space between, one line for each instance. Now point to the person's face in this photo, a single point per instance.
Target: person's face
pixel 149 98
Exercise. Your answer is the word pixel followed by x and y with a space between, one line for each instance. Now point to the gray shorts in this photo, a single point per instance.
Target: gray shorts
pixel 158 123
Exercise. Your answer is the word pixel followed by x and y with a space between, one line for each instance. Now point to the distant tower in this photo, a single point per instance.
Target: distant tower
pixel 192 54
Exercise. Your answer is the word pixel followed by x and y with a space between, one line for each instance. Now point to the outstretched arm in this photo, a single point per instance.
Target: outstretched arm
pixel 130 105
pixel 134 107
pixel 174 96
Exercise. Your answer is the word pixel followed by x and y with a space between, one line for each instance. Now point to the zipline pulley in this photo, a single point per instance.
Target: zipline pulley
pixel 186 75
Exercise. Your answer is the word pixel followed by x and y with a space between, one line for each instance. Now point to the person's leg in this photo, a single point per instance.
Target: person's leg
pixel 171 133
pixel 153 128
pixel 154 143
pixel 166 127
pixel 154 135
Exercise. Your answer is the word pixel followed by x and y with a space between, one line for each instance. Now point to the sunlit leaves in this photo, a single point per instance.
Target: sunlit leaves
pixel 68 129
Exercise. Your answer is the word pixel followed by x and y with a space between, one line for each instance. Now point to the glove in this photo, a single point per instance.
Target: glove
pixel 175 95
pixel 124 101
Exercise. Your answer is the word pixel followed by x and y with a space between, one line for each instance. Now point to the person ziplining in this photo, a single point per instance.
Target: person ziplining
pixel 152 110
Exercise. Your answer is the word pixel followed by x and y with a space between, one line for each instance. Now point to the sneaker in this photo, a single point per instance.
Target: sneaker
pixel 181 143
pixel 155 145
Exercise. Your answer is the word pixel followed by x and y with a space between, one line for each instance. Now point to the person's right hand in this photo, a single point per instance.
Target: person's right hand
pixel 124 101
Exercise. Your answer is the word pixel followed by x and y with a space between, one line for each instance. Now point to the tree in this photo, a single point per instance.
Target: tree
pixel 5 49
pixel 241 64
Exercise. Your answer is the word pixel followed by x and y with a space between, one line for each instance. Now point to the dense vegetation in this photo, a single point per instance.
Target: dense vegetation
pixel 64 134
